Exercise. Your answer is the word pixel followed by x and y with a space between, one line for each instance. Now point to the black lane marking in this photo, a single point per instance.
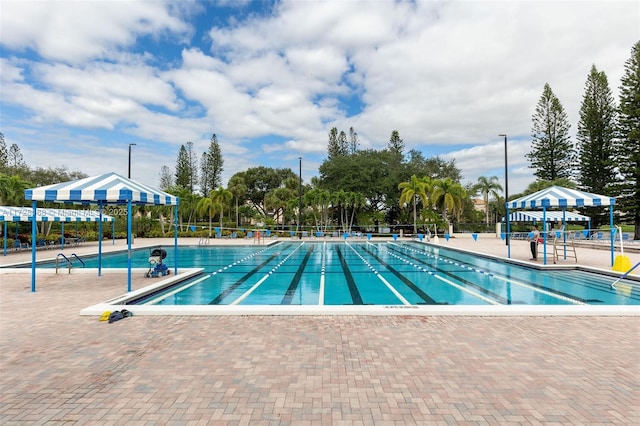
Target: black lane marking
pixel 481 289
pixel 353 288
pixel 237 284
pixel 538 286
pixel 288 296
pixel 406 281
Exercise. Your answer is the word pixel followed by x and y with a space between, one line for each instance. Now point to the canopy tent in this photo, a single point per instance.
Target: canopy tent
pixel 109 188
pixel 551 216
pixel 25 214
pixel 559 197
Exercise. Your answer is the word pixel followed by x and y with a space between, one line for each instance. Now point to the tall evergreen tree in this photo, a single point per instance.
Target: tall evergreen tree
pixel 183 174
pixel 193 166
pixel 354 142
pixel 396 144
pixel 552 155
pixel 15 159
pixel 596 133
pixel 166 178
pixel 628 146
pixel 4 153
pixel 211 167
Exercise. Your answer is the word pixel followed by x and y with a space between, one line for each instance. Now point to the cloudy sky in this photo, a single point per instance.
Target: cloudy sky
pixel 81 80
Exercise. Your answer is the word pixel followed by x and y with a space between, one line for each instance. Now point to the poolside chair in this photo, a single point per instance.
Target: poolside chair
pixel 17 245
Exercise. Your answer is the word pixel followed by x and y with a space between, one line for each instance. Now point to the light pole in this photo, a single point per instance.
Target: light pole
pixel 300 198
pixel 506 189
pixel 129 174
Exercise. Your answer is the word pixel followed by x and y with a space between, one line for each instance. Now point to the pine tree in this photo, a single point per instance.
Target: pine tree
pixel 628 144
pixel 183 175
pixel 166 179
pixel 353 141
pixel 596 133
pixel 395 143
pixel 4 154
pixel 193 166
pixel 595 141
pixel 552 155
pixel 337 145
pixel 211 167
pixel 343 145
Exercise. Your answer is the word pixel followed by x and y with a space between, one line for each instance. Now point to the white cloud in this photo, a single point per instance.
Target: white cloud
pixel 77 31
pixel 441 73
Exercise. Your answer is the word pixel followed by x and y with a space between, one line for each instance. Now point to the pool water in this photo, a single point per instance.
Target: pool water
pixel 366 273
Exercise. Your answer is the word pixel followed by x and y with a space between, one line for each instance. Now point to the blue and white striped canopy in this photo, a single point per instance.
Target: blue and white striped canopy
pixel 24 214
pixel 557 196
pixel 110 188
pixel 550 216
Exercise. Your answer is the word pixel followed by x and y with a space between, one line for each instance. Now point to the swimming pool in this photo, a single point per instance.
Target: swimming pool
pixel 368 273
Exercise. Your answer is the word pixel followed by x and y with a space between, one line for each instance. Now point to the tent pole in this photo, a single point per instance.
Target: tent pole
pixel 508 232
pixel 175 240
pixel 100 239
pixel 34 234
pixel 5 238
pixel 564 231
pixel 544 235
pixel 611 231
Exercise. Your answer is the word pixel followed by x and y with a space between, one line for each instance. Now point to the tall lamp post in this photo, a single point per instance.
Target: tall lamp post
pixel 129 174
pixel 300 198
pixel 129 241
pixel 506 194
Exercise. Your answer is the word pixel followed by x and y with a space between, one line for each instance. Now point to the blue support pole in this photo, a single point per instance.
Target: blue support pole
pixel 34 235
pixel 564 231
pixel 113 232
pixel 62 237
pixel 611 231
pixel 508 233
pixel 5 238
pixel 100 239
pixel 129 245
pixel 544 235
pixel 175 240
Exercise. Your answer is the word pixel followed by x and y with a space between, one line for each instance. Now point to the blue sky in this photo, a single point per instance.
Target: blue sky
pixel 80 81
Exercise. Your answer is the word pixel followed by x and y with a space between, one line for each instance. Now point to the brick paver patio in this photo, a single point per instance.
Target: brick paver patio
pixel 60 368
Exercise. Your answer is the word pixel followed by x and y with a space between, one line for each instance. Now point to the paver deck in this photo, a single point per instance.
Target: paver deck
pixel 60 368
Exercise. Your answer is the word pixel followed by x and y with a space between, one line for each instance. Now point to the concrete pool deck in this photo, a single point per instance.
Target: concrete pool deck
pixel 58 367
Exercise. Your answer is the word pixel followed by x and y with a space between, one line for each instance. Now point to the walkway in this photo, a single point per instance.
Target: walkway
pixel 57 367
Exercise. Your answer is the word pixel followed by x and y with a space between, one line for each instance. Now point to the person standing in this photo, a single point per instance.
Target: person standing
pixel 533 242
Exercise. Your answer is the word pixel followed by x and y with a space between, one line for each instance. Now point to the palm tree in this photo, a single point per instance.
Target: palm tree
pixel 188 204
pixel 280 200
pixel 411 191
pixel 209 207
pixel 487 186
pixel 357 201
pixel 448 195
pixel 12 190
pixel 221 196
pixel 338 199
pixel 239 189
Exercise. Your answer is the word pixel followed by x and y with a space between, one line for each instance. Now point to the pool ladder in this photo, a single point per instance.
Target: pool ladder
pixel 68 259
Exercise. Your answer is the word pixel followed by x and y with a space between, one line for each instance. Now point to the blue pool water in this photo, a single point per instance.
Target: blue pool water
pixel 365 273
